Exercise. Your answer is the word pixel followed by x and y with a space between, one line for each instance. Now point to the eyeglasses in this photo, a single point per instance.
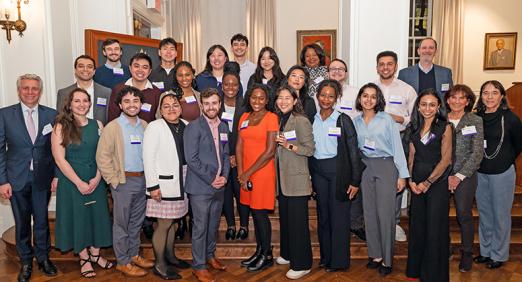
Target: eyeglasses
pixel 337 70
pixel 170 107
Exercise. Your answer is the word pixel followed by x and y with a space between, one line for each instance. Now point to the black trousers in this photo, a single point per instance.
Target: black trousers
pixel 232 192
pixel 463 196
pixel 263 230
pixel 428 244
pixel 26 203
pixel 294 231
pixel 333 215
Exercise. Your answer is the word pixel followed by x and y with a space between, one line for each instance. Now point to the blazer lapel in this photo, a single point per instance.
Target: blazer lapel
pixel 18 112
pixel 41 123
pixel 462 123
pixel 208 133
pixel 416 78
pixel 290 124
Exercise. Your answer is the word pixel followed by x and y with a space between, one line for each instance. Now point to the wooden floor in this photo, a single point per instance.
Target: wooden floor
pixel 69 271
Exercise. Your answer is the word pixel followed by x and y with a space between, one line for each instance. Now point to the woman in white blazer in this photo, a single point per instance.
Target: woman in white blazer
pixel 163 161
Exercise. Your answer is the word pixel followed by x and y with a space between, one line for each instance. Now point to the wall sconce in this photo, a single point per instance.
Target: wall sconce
pixel 18 25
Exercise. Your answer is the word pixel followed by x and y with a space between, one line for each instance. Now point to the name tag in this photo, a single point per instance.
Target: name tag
pixel 290 135
pixel 117 71
pixel 397 100
pixel 146 107
pixel 48 128
pixel 135 139
pixel 369 144
pixel 159 84
pixel 485 144
pixel 444 87
pixel 190 99
pixel 334 131
pixel 244 124
pixel 227 116
pixel 101 102
pixel 318 80
pixel 469 130
pixel 347 106
pixel 427 138
pixel 223 137
pixel 265 81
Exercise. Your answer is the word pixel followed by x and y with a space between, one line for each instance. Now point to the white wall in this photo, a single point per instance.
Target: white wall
pixel 485 16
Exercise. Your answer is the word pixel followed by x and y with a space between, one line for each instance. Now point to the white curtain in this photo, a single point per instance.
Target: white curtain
pixel 447 29
pixel 261 25
pixel 185 18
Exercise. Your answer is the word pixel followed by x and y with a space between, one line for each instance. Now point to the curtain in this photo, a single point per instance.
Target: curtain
pixel 186 28
pixel 260 26
pixel 447 29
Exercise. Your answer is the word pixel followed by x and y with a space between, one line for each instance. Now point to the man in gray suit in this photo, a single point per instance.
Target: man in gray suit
pixel 426 74
pixel 501 57
pixel 84 69
pixel 206 152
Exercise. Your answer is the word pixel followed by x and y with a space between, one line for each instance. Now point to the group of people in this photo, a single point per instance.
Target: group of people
pixel 169 144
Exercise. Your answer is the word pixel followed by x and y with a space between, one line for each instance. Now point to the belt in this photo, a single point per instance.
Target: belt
pixel 134 173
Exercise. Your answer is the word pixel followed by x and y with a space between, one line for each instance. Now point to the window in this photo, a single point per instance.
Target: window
pixel 420 26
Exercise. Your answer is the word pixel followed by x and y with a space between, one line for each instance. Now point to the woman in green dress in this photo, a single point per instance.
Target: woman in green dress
pixel 82 213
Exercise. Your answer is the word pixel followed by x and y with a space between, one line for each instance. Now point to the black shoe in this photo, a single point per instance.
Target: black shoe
pixel 182 228
pixel 265 261
pixel 47 267
pixel 25 272
pixel 230 234
pixel 481 259
pixel 242 234
pixel 253 259
pixel 178 263
pixel 493 264
pixel 360 233
pixel 148 231
pixel 466 261
pixel 385 270
pixel 322 264
pixel 168 275
pixel 334 269
pixel 373 264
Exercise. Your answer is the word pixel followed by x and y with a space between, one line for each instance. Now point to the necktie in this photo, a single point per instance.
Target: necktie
pixel 31 128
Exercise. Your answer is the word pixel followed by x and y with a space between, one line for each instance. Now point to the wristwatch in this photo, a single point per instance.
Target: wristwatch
pixel 291 147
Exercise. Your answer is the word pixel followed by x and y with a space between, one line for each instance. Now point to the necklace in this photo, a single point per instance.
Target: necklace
pixel 495 153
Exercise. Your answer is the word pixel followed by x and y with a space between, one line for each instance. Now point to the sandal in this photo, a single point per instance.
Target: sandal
pixel 88 273
pixel 108 264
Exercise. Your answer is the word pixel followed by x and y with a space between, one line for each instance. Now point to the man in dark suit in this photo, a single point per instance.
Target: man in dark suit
pixel 426 74
pixel 84 69
pixel 206 153
pixel 26 172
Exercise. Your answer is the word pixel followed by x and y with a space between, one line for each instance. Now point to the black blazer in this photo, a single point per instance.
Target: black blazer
pixel 232 136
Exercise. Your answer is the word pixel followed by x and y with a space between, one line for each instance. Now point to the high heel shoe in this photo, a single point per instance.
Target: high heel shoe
pixel 265 261
pixel 242 234
pixel 182 228
pixel 251 260
pixel 231 233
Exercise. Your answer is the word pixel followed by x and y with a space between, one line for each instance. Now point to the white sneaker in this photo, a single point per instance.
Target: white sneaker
pixel 400 235
pixel 293 274
pixel 282 261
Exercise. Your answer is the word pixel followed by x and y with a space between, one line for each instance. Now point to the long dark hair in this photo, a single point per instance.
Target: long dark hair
pixel 208 66
pixel 71 130
pixel 276 70
pixel 298 107
pixel 417 120
pixel 481 108
pixel 380 104
pixel 304 91
pixel 246 101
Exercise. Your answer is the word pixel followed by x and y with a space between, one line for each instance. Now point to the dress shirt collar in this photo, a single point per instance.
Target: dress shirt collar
pixel 125 121
pixel 147 86
pixel 335 114
pixel 118 65
pixel 25 108
pixel 425 70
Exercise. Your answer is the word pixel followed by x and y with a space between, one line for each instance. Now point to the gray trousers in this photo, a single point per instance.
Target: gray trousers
pixel 128 212
pixel 495 193
pixel 206 212
pixel 379 207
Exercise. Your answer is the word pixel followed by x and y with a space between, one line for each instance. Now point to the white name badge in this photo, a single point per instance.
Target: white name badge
pixel 223 137
pixel 146 107
pixel 369 144
pixel 444 87
pixel 48 128
pixel 397 100
pixel 227 116
pixel 135 139
pixel 290 135
pixel 469 130
pixel 318 80
pixel 101 102
pixel 347 106
pixel 190 99
pixel 265 81
pixel 159 84
pixel 427 138
pixel 244 124
pixel 117 71
pixel 485 144
pixel 334 131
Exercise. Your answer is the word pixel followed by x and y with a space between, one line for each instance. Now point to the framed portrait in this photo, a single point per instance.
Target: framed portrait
pixel 327 39
pixel 500 51
pixel 130 44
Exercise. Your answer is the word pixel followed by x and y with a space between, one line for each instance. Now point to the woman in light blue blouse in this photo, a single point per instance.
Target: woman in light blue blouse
pixel 380 142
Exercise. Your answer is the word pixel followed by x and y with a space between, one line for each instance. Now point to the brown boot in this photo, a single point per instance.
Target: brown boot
pixel 131 270
pixel 203 275
pixel 142 262
pixel 216 264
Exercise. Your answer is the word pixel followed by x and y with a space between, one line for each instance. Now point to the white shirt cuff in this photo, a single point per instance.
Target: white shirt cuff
pixel 460 176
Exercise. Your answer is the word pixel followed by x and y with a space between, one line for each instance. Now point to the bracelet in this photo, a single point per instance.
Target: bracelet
pixel 429 181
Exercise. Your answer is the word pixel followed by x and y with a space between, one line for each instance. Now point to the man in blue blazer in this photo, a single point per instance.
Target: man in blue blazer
pixel 26 172
pixel 206 152
pixel 426 74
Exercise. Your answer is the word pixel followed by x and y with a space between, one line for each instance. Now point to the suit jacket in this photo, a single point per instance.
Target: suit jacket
pixel 503 60
pixel 468 148
pixel 100 91
pixel 292 167
pixel 200 154
pixel 443 75
pixel 17 150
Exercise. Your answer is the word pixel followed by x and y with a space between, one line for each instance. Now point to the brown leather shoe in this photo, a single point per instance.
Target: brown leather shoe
pixel 203 275
pixel 131 270
pixel 142 262
pixel 216 264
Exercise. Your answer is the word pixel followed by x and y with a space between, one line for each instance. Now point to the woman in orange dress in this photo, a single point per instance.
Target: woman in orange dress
pixel 255 151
